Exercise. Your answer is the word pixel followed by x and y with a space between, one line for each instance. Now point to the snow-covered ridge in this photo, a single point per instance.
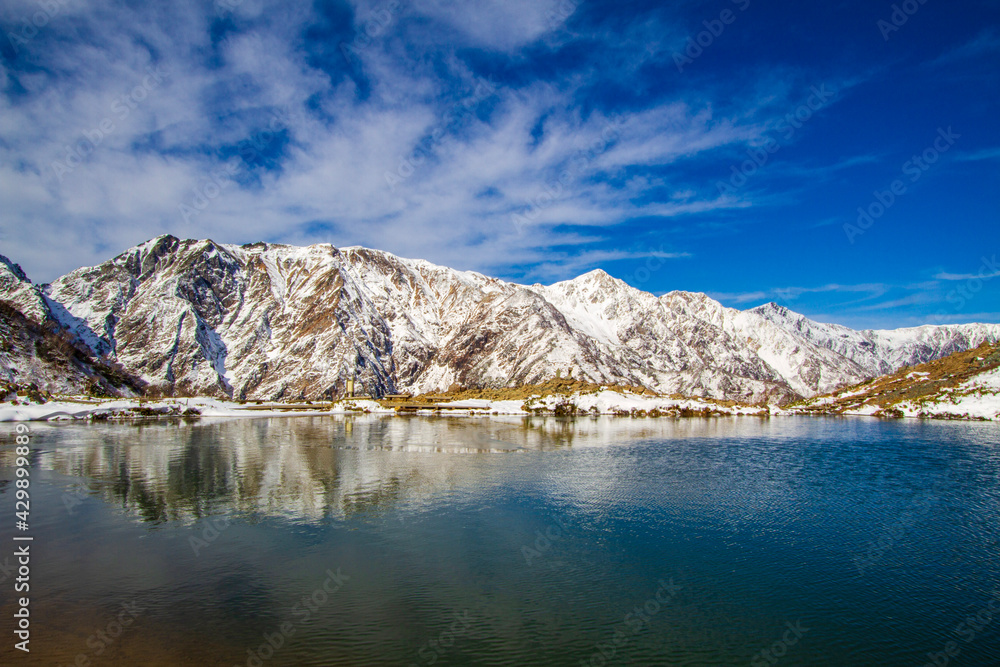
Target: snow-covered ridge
pixel 964 385
pixel 271 321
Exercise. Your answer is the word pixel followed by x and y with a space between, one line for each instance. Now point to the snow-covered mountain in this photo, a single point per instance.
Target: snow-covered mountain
pixel 35 347
pixel 274 321
pixel 881 352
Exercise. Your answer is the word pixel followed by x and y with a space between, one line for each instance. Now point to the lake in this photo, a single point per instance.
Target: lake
pixel 508 541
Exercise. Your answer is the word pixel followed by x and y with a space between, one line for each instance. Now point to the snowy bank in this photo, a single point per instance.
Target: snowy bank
pixel 606 402
pixel 72 408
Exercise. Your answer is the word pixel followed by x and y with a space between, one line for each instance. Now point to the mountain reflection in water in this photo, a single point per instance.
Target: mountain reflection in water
pixel 507 541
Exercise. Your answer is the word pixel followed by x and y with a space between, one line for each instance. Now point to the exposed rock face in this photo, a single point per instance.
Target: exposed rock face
pixel 18 292
pixel 273 321
pixel 35 349
pixel 881 352
pixel 199 317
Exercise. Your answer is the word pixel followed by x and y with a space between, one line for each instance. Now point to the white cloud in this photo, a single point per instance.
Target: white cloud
pixel 792 293
pixel 346 127
pixel 498 24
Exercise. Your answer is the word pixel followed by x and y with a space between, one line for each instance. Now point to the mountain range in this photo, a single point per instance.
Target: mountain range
pixel 271 321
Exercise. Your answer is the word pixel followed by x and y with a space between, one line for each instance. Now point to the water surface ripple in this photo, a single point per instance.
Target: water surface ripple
pixel 508 541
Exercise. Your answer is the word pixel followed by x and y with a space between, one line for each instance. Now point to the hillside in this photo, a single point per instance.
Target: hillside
pixel 964 385
pixel 38 355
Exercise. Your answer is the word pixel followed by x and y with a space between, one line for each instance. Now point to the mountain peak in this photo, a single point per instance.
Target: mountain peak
pixel 597 278
pixel 775 311
pixel 15 269
pixel 19 292
pixel 595 274
pixel 771 307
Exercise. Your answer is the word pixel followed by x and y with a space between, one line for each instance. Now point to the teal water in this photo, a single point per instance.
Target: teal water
pixel 454 541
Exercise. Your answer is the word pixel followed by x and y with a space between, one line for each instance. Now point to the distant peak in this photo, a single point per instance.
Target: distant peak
pixel 599 276
pixel 157 245
pixel 15 269
pixel 772 307
pixel 161 240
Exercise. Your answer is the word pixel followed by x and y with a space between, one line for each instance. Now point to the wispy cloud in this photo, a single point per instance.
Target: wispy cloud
pixel 912 299
pixel 977 156
pixel 792 293
pixel 966 276
pixel 563 265
pixel 532 140
pixel 985 43
pixel 345 126
pixel 880 304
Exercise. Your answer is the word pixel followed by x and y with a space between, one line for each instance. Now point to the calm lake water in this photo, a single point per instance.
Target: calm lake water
pixel 458 541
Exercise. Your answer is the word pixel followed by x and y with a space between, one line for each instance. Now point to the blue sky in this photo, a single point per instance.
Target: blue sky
pixel 724 147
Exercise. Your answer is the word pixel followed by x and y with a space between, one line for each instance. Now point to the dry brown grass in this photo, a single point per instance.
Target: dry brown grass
pixel 554 387
pixel 558 386
pixel 907 385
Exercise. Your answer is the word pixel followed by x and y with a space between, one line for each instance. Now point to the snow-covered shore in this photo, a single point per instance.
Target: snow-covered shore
pixel 979 400
pixel 976 399
pixel 74 408
pixel 605 402
pixel 964 386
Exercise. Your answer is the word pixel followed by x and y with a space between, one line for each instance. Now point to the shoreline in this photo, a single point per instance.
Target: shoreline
pixel 598 403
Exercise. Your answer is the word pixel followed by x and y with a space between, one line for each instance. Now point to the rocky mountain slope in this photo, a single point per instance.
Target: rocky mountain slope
pixel 265 321
pixel 963 385
pixel 38 355
pixel 881 352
